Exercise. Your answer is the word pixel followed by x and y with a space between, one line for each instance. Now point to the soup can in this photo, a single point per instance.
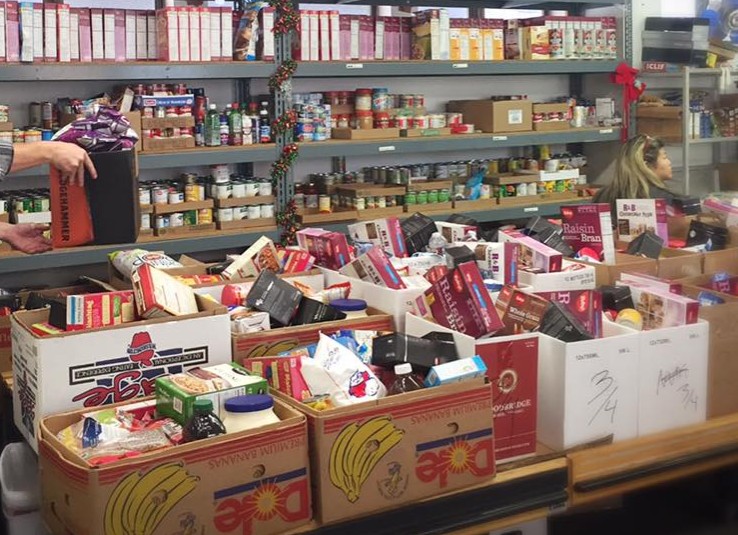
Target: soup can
pixel 225 214
pixel 145 221
pixel 205 216
pixel 254 211
pixel 162 221
pixel 176 219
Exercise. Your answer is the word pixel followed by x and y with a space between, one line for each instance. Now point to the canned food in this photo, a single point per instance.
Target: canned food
pixel 145 221
pixel 411 198
pixel 221 173
pixel 433 196
pixel 444 195
pixel 240 213
pixel 19 136
pixel 144 196
pixel 419 101
pixel 34 114
pixel 421 121
pixel 4 111
pixel 160 112
pixel 205 216
pixel 252 188
pixel 38 205
pixel 47 135
pixel 176 197
pixel 190 217
pixel 402 122
pixel 225 214
pixel 454 119
pixel 382 202
pixel 422 197
pixel 176 219
pixel 222 191
pixel 267 210
pixel 360 203
pixel 3 206
pixel 438 120
pixel 162 221
pixel 265 188
pixel 192 192
pixel 370 202
pixel 47 115
pixel 407 101
pixel 254 211
pixel 148 112
pixel 32 136
pixel 485 191
pixel 238 190
pixel 160 195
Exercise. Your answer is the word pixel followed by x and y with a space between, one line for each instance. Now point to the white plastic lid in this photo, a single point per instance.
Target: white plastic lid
pixel 403 369
pixel 213 107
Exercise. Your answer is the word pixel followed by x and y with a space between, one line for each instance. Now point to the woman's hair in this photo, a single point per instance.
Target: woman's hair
pixel 634 173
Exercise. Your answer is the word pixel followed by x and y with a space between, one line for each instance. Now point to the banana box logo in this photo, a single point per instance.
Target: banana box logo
pixel 132 375
pixel 395 485
pixel 140 502
pixel 472 453
pixel 357 450
pixel 285 496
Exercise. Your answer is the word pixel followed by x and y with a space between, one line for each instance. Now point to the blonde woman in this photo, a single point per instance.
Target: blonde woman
pixel 641 172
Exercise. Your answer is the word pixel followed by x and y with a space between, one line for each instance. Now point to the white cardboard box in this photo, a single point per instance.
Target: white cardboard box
pixel 588 390
pixel 394 302
pixel 131 35
pixel 313 280
pixel 563 281
pixel 672 377
pixel 109 34
pixel 87 369
pixel 142 37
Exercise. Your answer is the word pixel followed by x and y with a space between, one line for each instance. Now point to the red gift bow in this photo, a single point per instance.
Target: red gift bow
pixel 633 88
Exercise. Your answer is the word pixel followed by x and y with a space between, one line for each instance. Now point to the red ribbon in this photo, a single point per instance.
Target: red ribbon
pixel 627 76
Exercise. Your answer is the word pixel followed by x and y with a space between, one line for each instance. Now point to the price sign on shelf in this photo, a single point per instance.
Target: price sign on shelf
pixel 387 148
pixel 460 66
pixel 499 138
pixel 354 65
pixel 606 131
pixel 530 209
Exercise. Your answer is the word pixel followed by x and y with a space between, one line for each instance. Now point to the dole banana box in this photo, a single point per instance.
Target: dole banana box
pixel 399 449
pixel 252 482
pixel 109 364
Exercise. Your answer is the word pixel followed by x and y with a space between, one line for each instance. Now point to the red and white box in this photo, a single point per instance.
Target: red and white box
pixel 330 249
pixel 636 216
pixel 92 311
pixel 454 231
pixel 649 280
pixel 406 38
pixel 392 39
pixel 216 46
pixel 206 53
pixel 152 41
pixel 521 312
pixel 109 34
pixel 120 35
pixel 64 49
pixel 461 302
pixel 589 226
pixel 168 34
pixel 183 27
pixel 379 33
pixel 85 34
pixel 130 15
pixel 585 305
pixel 324 20
pixel 661 308
pixel 26 27
pixel 533 254
pixel 385 233
pixel 194 25
pixel 374 266
pixel 98 34
pixel 573 276
pixel 314 35
pixel 38 32
pixel 304 35
pixel 267 34
pixel 3 18
pixel 159 295
pixel 12 31
pixel 226 29
pixel 51 54
pixel 355 36
pixel 336 48
pixel 74 54
pixel 500 259
pixel 366 38
pixel 142 36
pixel 296 261
pixel 282 373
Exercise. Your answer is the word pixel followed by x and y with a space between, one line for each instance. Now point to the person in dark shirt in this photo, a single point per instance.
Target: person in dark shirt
pixel 641 172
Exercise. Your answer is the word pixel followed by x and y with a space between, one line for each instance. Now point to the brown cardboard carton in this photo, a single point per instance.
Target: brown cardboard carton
pixel 664 122
pixel 496 116
pixel 722 364
pixel 725 260
pixel 610 273
pixel 6 352
pixel 272 342
pixel 250 482
pixel 433 441
pixel 677 264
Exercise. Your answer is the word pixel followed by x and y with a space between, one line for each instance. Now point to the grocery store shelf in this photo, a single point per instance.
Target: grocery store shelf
pixel 537 4
pixel 189 158
pixel 334 69
pixel 135 71
pixel 712 140
pixel 512 492
pixel 455 143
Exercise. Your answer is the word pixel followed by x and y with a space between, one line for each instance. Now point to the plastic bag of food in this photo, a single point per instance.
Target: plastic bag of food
pixel 126 262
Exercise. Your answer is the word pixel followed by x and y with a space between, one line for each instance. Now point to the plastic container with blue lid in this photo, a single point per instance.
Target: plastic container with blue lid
pixel 353 308
pixel 242 413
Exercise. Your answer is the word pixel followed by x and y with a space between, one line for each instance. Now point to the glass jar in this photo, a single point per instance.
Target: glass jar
pixel 380 99
pixel 381 119
pixel 248 412
pixel 363 100
pixel 364 120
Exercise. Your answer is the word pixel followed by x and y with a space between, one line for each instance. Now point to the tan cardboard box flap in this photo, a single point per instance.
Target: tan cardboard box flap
pixel 677 264
pixel 610 273
pixel 213 484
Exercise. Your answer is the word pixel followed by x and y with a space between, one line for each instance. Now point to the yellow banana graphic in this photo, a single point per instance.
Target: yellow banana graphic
pixel 357 450
pixel 139 502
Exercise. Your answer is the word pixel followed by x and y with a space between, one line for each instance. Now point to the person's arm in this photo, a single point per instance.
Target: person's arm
pixel 70 159
pixel 6 158
pixel 26 237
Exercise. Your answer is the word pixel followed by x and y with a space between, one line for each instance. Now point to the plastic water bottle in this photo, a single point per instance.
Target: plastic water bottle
pixel 405 381
pixel 212 127
pixel 437 244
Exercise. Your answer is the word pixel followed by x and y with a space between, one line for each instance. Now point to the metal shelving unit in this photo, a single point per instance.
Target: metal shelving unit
pixel 511 4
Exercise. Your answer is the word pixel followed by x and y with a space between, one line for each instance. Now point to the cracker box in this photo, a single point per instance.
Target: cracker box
pixel 176 394
pixel 636 216
pixel 520 312
pixel 211 486
pixel 585 305
pixel 499 259
pixel 282 373
pixel 374 266
pixel 533 254
pixel 90 311
pixel 385 233
pixel 107 365
pixel 589 226
pixel 159 295
pixel 454 232
pixel 661 308
pixel 330 249
pixel 260 256
pixel 411 461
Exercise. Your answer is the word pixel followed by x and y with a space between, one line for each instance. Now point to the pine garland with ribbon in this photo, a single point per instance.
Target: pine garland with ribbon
pixel 285 70
pixel 285 122
pixel 287 220
pixel 288 18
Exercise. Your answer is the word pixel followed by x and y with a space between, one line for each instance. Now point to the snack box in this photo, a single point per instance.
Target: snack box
pixel 90 311
pixel 160 295
pixel 385 233
pixel 661 308
pixel 532 253
pixel 282 373
pixel 521 312
pixel 589 226
pixel 454 231
pixel 262 255
pixel 374 267
pixel 585 305
pixel 330 249
pixel 654 282
pixel 176 394
pixel 455 372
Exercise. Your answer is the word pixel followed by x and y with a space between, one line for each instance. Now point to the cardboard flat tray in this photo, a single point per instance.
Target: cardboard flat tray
pixel 508 179
pixel 375 133
pixel 425 132
pixel 265 222
pixel 206 229
pixel 147 208
pixel 370 190
pixel 380 213
pixel 182 207
pixel 6 127
pixel 432 208
pixel 551 126
pixel 168 144
pixel 428 185
pixel 244 201
pixel 311 217
pixel 481 204
pixel 148 123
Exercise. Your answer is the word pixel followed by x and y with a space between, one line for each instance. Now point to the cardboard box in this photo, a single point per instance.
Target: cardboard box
pixel 167 32
pixel 176 394
pixel 385 233
pixel 635 216
pixel 716 261
pixel 393 302
pixel 678 264
pixel 85 35
pixel 50 34
pixel 268 466
pixel 374 267
pixel 589 226
pixel 411 463
pixel 672 377
pixel 609 274
pixel 664 122
pixel 533 254
pixel 570 278
pixel 275 341
pixel 662 309
pixel 512 369
pixel 584 305
pixel 588 390
pixel 159 295
pixel 107 365
pixel 496 116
